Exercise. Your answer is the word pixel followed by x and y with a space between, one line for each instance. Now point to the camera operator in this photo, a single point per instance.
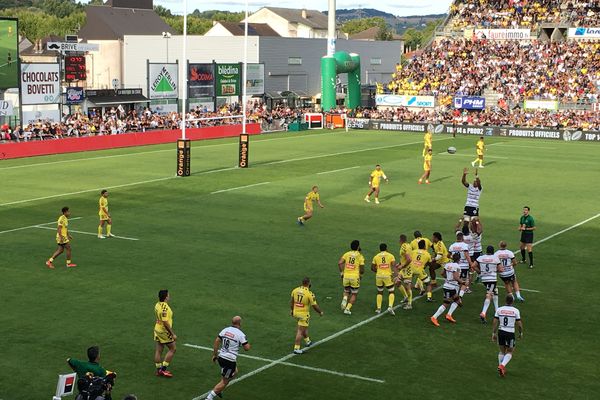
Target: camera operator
pixel 93 381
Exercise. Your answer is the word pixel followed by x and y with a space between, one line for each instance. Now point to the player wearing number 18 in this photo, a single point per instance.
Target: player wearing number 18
pixel 225 351
pixel 503 330
pixel 302 299
pixel 351 266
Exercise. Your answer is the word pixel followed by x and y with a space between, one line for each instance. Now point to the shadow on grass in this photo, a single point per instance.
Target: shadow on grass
pixel 443 178
pixel 392 195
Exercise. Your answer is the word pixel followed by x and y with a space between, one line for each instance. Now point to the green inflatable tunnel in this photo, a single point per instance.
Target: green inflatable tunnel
pixel 341 62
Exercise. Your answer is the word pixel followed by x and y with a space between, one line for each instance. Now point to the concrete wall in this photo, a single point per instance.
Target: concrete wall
pixel 105 65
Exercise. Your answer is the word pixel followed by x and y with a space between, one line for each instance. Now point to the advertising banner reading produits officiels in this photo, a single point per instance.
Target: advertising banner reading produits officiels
pixel 228 80
pixel 40 84
pixel 163 81
pixel 201 80
pixel 568 135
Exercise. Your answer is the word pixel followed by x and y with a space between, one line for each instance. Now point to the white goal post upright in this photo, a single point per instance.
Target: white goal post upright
pixel 184 147
pixel 244 137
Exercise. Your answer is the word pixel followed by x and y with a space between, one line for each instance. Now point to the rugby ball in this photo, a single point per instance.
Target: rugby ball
pixel 451 150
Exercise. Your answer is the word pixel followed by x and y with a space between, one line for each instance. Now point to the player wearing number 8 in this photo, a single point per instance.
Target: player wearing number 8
pixel 503 330
pixel 302 299
pixel 385 266
pixel 225 351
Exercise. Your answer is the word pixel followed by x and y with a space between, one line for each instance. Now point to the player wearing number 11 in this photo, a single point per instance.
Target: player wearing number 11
pixel 302 299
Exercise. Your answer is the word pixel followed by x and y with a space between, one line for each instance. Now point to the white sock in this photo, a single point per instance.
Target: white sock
pixel 518 293
pixel 495 298
pixel 211 395
pixel 486 305
pixel 507 358
pixel 500 358
pixel 453 307
pixel 461 293
pixel 439 311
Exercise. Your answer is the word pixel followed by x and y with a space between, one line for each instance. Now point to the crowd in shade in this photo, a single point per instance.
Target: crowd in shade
pixel 116 121
pixel 575 119
pixel 566 71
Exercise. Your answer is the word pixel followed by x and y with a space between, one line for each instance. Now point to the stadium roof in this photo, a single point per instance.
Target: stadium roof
pixel 314 19
pixel 108 23
pixel 237 29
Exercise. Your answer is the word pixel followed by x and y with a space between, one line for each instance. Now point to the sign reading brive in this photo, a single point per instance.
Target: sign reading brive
pixel 244 148
pixel 40 83
pixel 228 79
pixel 162 81
pixel 184 154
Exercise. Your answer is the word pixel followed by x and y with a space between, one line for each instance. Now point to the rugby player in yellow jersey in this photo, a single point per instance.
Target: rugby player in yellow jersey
pixel 352 266
pixel 385 266
pixel 63 239
pixel 163 334
pixel 374 182
pixel 301 301
pixel 414 244
pixel 311 196
pixel 419 259
pixel 404 279
pixel 480 148
pixel 426 167
pixel 427 142
pixel 441 258
pixel 104 215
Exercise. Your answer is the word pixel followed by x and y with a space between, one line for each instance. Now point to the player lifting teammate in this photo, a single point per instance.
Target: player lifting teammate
pixel 451 286
pixel 351 266
pixel 311 196
pixel 63 239
pixel 385 266
pixel 374 182
pixel 462 249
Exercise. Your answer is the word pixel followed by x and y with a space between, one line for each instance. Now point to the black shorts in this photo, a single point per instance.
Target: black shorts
pixel 464 273
pixel 63 245
pixel 227 368
pixel 527 237
pixel 471 211
pixel 476 255
pixel 507 279
pixel 449 293
pixel 506 339
pixel 491 287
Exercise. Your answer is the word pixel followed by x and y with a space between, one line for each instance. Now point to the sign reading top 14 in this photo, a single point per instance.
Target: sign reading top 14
pixel 228 79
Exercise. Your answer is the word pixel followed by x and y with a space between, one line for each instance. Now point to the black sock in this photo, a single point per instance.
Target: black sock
pixel 523 254
pixel 531 258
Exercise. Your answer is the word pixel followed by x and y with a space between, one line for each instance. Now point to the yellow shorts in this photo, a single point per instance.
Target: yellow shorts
pixel 61 242
pixel 103 217
pixel 426 168
pixel 421 274
pixel 163 337
pixel 406 274
pixel 302 319
pixel 479 154
pixel 354 283
pixel 375 186
pixel 381 281
pixel 307 209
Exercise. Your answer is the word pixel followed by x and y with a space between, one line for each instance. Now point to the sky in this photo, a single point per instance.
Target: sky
pixel 396 7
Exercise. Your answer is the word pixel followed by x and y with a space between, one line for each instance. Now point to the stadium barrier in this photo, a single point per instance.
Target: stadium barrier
pixel 90 143
pixel 568 135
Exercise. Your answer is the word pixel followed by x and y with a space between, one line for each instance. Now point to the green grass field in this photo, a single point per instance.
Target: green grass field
pixel 9 73
pixel 241 252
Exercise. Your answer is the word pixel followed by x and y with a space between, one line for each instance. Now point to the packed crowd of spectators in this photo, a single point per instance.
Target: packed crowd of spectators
pixel 585 13
pixel 505 14
pixel 566 71
pixel 584 120
pixel 116 121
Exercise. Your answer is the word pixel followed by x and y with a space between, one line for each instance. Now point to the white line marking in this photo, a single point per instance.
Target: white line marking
pixel 471 156
pixel 315 344
pixel 348 152
pixel 566 229
pixel 155 151
pixel 522 146
pixel 86 233
pixel 327 371
pixel 337 170
pixel 240 187
pixel 35 226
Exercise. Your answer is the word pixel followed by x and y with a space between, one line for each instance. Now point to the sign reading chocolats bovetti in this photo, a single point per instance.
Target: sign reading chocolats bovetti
pixel 40 84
